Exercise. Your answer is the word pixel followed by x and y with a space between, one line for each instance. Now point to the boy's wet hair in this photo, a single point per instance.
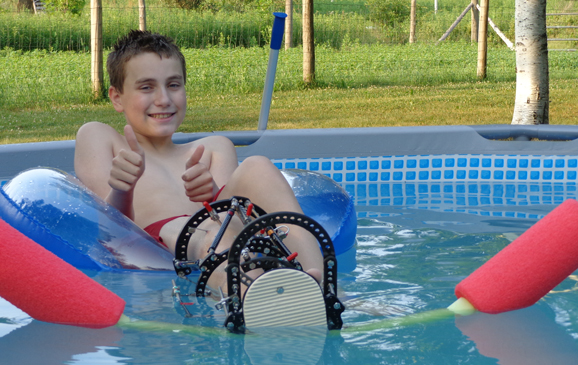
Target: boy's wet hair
pixel 137 42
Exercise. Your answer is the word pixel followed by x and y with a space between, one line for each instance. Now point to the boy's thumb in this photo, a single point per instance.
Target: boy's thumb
pixel 196 156
pixel 131 140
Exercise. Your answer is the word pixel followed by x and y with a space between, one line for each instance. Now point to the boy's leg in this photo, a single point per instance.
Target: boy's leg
pixel 259 180
pixel 201 241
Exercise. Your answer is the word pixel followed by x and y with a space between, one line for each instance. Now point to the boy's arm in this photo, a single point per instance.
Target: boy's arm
pixel 111 177
pixel 93 156
pixel 223 161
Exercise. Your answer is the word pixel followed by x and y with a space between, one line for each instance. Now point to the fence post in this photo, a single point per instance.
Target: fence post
pixel 308 43
pixel 142 15
pixel 483 39
pixel 412 22
pixel 289 24
pixel 475 21
pixel 96 68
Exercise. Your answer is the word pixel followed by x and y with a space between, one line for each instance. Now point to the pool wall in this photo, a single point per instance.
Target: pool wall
pixel 407 153
pixel 441 154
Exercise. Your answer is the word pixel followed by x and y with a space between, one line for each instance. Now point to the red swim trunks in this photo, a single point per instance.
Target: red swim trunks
pixel 154 229
pixel 218 193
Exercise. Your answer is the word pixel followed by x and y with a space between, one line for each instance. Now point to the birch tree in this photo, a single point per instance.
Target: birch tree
pixel 532 79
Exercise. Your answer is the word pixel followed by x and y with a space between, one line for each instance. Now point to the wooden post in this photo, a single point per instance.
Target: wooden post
pixel 289 24
pixel 96 68
pixel 412 22
pixel 475 21
pixel 308 43
pixel 483 39
pixel 142 15
pixel 455 23
pixel 500 34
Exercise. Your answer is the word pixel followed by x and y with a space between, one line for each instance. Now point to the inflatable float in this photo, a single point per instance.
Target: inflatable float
pixel 50 216
pixel 54 209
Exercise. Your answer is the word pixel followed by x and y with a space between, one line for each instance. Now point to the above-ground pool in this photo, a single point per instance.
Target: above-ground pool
pixel 432 205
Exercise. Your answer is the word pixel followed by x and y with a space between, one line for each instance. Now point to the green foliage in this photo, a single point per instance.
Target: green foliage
pixel 184 4
pixel 67 6
pixel 388 12
pixel 239 6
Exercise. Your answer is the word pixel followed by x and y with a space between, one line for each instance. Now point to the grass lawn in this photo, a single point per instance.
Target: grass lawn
pixel 449 104
pixel 358 86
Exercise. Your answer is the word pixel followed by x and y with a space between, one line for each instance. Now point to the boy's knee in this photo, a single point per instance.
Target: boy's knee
pixel 222 141
pixel 257 163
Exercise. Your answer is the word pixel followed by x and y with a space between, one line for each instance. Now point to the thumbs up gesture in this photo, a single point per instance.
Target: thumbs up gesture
pixel 199 183
pixel 129 165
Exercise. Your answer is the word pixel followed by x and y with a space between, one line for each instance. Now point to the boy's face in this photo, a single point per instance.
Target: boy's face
pixel 153 99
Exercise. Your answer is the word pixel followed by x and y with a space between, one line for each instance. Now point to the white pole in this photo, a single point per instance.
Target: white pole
pixel 276 39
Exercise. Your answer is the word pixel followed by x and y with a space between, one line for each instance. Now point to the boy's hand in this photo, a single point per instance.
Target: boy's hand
pixel 129 165
pixel 199 184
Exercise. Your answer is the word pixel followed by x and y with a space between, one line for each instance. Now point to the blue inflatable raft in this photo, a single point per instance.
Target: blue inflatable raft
pixel 54 209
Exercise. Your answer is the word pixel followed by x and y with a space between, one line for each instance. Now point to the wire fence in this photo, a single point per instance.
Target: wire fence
pixel 358 44
pixel 335 23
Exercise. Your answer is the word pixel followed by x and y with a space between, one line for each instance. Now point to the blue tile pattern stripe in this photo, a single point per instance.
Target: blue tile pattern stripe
pixel 448 182
pixel 451 183
pixel 467 167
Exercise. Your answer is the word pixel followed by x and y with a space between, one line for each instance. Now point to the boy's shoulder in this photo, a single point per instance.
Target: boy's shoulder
pixel 98 128
pixel 98 132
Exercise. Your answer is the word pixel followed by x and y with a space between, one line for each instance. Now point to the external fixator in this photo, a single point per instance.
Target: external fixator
pixel 258 246
pixel 236 205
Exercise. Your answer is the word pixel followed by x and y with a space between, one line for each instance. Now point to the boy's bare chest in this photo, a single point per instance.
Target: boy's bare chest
pixel 160 193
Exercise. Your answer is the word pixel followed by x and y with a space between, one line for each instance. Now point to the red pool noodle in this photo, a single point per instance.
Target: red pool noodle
pixel 49 289
pixel 529 267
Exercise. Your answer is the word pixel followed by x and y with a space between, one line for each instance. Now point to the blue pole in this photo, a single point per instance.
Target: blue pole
pixel 276 40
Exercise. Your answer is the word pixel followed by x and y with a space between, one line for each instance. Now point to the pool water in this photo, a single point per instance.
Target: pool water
pixel 415 243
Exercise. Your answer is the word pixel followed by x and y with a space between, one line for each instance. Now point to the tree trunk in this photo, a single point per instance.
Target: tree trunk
pixel 412 21
pixel 96 48
pixel 308 43
pixel 142 15
pixel 289 24
pixel 25 5
pixel 532 78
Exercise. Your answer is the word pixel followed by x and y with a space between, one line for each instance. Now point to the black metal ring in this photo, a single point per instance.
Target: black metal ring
pixel 199 217
pixel 333 306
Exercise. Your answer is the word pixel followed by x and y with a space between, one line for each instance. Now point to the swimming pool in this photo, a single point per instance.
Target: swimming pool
pixel 403 267
pixel 421 230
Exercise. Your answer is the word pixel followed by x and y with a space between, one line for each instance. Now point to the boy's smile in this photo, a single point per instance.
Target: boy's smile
pixel 153 98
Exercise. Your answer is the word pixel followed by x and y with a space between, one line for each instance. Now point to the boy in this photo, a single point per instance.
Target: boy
pixel 159 184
